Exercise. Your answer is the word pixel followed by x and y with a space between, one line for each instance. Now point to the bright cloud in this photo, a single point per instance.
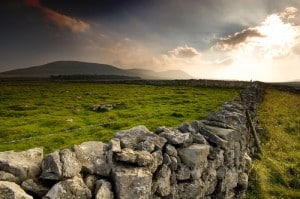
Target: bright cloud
pixel 267 52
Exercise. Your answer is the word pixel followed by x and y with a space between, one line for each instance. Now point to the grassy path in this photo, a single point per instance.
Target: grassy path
pixel 277 174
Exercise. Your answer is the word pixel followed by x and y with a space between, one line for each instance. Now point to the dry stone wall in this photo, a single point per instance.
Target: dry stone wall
pixel 203 159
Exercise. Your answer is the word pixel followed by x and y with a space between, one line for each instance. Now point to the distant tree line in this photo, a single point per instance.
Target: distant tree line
pixel 92 77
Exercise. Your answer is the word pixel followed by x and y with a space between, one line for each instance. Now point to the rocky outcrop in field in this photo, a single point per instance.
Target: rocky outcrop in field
pixel 203 159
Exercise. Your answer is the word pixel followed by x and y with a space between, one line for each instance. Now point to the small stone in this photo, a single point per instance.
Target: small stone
pixel 174 163
pixel 115 145
pixel 183 173
pixel 146 146
pixel 104 190
pixel 166 159
pixel 141 158
pixel 35 187
pixel 171 150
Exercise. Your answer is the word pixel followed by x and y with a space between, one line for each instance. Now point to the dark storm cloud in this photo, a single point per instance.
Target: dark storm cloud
pixel 238 38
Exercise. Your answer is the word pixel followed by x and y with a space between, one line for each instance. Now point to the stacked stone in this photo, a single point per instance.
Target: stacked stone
pixel 203 159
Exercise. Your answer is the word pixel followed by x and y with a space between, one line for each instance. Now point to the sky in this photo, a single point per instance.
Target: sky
pixel 215 39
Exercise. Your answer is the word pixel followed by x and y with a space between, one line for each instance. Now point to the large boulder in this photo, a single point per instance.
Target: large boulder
pixel 140 138
pixel 10 190
pixel 131 137
pixel 194 155
pixel 132 183
pixel 71 188
pixel 52 167
pixel 60 165
pixel 93 157
pixel 23 165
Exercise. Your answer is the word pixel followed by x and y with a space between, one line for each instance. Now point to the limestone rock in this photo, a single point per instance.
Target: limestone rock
pixel 71 188
pixel 166 159
pixel 188 128
pixel 10 190
pixel 163 181
pixel 141 158
pixel 132 183
pixel 52 167
pixel 70 165
pixel 243 181
pixel 226 134
pixel 183 173
pixel 141 136
pixel 34 187
pixel 199 139
pixel 175 137
pixel 194 155
pixel 212 138
pixel 171 150
pixel 104 190
pixel 115 145
pixel 130 138
pixel 93 157
pixel 191 190
pixel 157 160
pixel 90 181
pixel 146 146
pixel 174 163
pixel 23 165
pixel 5 176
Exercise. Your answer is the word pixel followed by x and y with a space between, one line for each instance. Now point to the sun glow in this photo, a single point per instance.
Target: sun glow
pixel 278 37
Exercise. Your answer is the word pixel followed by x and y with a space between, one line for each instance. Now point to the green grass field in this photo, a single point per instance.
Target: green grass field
pixel 277 173
pixel 58 115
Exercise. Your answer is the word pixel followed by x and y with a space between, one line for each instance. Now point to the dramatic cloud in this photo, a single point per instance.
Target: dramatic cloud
pixel 60 20
pixel 270 53
pixel 238 38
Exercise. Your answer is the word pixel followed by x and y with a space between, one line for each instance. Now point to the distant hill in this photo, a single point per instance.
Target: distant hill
pixel 169 74
pixel 84 68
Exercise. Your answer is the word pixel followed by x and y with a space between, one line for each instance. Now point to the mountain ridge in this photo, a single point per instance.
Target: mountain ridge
pixel 87 68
